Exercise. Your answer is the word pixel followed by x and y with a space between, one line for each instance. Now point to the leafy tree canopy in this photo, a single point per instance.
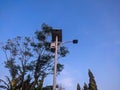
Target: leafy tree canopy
pixel 30 59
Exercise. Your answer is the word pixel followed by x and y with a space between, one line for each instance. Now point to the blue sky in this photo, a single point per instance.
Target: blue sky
pixel 95 23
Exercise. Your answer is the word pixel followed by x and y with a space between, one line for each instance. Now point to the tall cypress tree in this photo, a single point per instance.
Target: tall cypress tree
pixel 85 86
pixel 92 82
pixel 78 87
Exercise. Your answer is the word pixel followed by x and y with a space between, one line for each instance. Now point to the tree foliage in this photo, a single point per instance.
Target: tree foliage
pixel 29 59
pixel 85 87
pixel 78 87
pixel 92 82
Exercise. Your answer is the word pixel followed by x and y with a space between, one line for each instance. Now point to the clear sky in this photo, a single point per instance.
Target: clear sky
pixel 95 23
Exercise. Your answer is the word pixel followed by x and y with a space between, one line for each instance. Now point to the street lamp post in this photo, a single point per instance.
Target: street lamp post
pixel 57 38
pixel 55 63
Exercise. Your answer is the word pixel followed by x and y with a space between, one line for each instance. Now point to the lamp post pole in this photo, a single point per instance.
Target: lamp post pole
pixel 57 38
pixel 55 63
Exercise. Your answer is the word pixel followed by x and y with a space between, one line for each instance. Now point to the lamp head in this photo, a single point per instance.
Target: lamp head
pixel 75 41
pixel 56 32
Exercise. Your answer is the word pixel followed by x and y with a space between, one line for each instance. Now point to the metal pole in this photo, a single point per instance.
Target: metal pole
pixel 55 63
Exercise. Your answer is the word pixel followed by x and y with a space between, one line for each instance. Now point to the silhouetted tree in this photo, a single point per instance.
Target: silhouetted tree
pixel 78 87
pixel 92 82
pixel 85 87
pixel 30 60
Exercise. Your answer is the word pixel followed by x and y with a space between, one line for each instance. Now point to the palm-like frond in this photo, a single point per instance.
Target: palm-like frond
pixel 5 84
pixel 4 87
